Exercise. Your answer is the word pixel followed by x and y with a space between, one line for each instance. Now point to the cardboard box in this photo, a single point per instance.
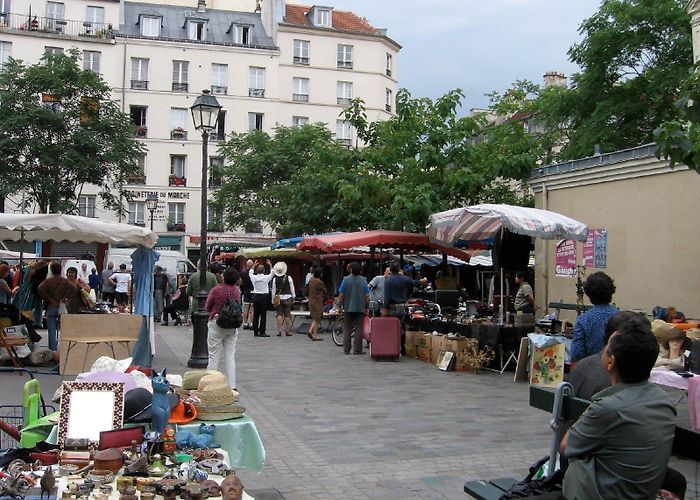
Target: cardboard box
pixel 434 355
pixel 410 350
pixel 423 353
pixel 438 343
pixel 413 337
pixel 454 344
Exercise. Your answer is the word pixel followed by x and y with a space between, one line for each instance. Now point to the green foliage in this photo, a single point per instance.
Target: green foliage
pixel 634 56
pixel 678 140
pixel 423 160
pixel 60 129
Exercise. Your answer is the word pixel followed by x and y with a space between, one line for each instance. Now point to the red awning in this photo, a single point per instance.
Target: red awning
pixel 412 242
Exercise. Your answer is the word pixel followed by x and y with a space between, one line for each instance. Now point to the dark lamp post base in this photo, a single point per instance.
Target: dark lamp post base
pixel 200 352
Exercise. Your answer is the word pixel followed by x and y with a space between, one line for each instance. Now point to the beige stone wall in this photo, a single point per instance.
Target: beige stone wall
pixel 653 224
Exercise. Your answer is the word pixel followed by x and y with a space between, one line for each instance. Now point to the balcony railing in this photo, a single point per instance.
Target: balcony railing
pixel 300 97
pixel 174 180
pixel 139 84
pixel 217 136
pixel 388 72
pixel 141 132
pixel 136 179
pixel 180 87
pixel 388 107
pixel 176 227
pixel 219 89
pixel 301 60
pixel 256 92
pixel 344 142
pixel 215 182
pixel 344 101
pixel 178 134
pixel 23 22
pixel 345 64
pixel 139 223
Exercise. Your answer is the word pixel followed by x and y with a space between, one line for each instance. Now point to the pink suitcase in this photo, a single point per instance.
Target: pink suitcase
pixel 385 336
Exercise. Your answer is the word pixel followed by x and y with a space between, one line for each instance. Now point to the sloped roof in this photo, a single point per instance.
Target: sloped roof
pixel 174 27
pixel 342 20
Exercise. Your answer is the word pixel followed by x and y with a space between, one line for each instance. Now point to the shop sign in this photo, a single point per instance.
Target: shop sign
pixel 565 259
pixel 595 250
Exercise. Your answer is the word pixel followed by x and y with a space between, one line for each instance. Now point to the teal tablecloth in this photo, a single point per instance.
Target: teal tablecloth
pixel 238 437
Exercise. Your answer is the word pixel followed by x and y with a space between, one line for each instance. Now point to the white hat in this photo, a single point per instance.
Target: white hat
pixel 280 268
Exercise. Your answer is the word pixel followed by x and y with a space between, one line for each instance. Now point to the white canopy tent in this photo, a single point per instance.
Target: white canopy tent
pixel 60 227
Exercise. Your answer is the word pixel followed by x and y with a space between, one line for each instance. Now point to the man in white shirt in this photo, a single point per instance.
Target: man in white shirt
pixel 261 298
pixel 376 290
pixel 121 281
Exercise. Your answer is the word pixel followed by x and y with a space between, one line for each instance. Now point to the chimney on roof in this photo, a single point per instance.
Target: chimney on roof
pixel 271 13
pixel 201 6
pixel 554 79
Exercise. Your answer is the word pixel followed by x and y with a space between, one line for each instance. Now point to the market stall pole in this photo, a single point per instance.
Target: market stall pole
pixel 205 114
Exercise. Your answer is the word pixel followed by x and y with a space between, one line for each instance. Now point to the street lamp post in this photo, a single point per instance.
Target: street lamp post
pixel 205 114
pixel 151 205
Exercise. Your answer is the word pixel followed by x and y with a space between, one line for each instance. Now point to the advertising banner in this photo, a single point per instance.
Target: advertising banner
pixel 565 258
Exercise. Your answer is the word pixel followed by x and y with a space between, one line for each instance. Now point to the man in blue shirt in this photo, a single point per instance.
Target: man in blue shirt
pixel 589 332
pixel 397 289
pixel 353 301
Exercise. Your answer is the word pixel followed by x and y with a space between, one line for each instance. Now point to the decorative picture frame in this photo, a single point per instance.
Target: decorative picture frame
pixel 445 360
pixel 88 408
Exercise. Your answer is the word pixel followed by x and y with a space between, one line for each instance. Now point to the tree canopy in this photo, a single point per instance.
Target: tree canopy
pixel 425 159
pixel 633 57
pixel 59 130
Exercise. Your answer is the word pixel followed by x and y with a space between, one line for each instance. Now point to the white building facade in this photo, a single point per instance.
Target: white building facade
pixel 268 64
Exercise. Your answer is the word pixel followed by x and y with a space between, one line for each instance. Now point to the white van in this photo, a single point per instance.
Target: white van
pixel 174 263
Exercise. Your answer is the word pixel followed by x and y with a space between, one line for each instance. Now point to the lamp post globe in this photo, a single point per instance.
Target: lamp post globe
pixel 205 115
pixel 151 205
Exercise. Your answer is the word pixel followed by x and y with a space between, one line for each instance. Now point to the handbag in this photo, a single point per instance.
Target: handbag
pixel 276 300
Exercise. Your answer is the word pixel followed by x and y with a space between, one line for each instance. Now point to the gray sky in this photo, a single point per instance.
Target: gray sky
pixel 476 45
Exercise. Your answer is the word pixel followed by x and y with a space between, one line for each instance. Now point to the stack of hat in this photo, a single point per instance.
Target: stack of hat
pixel 214 398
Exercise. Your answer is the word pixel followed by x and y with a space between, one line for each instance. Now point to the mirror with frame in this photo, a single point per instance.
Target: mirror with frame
pixel 88 408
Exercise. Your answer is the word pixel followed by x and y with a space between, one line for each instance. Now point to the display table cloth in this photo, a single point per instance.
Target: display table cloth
pixel 238 437
pixel 689 384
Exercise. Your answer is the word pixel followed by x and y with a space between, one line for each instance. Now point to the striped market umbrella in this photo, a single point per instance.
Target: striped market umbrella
pixel 481 224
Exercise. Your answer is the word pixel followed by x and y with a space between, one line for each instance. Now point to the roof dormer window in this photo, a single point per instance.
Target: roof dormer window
pixel 197 30
pixel 241 34
pixel 150 26
pixel 322 17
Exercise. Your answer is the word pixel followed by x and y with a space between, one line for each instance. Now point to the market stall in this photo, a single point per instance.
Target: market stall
pixel 61 227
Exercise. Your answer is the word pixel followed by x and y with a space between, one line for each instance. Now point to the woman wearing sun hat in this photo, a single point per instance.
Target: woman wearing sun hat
pixel 283 286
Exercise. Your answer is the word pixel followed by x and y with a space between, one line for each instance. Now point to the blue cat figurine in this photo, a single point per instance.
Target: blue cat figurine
pixel 205 439
pixel 160 408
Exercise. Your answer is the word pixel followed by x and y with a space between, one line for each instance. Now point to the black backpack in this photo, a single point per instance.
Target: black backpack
pixel 230 315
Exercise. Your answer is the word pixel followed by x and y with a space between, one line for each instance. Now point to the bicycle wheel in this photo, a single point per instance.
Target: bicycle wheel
pixel 337 335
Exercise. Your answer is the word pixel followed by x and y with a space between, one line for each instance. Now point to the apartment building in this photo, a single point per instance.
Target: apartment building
pixel 268 63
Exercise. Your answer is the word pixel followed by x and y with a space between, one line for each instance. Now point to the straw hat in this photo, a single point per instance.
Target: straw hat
pixel 191 378
pixel 216 395
pixel 280 268
pixel 225 412
pixel 212 378
pixel 664 331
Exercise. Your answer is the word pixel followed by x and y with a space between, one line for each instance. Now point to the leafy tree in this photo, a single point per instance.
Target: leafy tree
pixel 679 139
pixel 634 56
pixel 289 180
pixel 60 130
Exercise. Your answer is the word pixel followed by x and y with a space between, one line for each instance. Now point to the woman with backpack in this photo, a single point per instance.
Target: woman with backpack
pixel 221 305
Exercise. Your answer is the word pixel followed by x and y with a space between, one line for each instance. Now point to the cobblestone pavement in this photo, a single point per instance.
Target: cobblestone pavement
pixel 337 426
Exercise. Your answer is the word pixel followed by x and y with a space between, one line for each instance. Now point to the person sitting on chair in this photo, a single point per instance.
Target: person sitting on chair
pixel 180 302
pixel 620 446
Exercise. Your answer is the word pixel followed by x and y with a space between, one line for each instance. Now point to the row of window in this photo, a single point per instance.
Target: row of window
pixel 302 55
pixel 256 82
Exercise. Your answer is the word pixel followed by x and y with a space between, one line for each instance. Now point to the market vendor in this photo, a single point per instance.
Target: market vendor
pixel 54 290
pixel 524 298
